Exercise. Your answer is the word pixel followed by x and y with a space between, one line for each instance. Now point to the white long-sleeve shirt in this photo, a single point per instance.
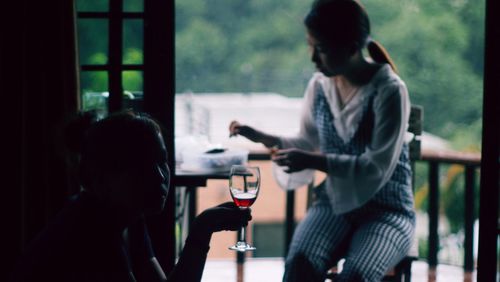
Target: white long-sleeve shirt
pixel 353 180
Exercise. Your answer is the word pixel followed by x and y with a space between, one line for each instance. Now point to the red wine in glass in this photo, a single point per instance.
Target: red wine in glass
pixel 244 200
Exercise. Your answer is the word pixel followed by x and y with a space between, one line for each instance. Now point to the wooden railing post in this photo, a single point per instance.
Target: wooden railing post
pixel 290 219
pixel 433 219
pixel 469 222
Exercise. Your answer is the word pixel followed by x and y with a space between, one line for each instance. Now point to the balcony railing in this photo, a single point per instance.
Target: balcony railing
pixel 471 162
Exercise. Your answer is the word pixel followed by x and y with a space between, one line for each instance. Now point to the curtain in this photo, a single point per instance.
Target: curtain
pixel 39 90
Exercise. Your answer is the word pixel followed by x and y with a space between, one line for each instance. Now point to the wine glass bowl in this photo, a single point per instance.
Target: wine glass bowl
pixel 244 184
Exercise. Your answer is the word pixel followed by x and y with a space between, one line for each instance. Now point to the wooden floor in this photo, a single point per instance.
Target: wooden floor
pixel 271 270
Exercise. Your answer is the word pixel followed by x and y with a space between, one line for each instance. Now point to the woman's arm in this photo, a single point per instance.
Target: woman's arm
pixel 191 262
pixel 235 128
pixel 307 137
pixel 297 160
pixel 193 257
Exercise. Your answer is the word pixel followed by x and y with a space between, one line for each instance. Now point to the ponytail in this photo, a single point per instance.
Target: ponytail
pixel 379 54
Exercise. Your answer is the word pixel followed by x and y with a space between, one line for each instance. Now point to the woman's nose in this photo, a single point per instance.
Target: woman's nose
pixel 164 173
pixel 164 177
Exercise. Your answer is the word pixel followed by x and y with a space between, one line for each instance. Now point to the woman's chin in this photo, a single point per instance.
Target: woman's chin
pixel 325 72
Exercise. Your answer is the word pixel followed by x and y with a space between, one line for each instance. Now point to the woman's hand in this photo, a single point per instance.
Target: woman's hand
pixel 226 216
pixel 297 160
pixel 236 128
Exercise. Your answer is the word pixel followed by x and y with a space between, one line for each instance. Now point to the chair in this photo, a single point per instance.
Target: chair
pixel 402 271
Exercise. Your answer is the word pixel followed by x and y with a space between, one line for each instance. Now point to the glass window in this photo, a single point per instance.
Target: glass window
pixel 94 89
pixel 133 81
pixel 133 5
pixel 93 41
pixel 132 89
pixel 133 31
pixel 92 5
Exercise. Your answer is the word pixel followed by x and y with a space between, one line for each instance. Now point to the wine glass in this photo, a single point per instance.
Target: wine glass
pixel 244 183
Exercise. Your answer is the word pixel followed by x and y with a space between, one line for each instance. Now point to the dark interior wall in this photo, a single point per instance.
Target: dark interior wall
pixel 10 133
pixel 38 89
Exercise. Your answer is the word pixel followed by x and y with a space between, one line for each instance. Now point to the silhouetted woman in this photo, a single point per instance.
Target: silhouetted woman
pixel 101 234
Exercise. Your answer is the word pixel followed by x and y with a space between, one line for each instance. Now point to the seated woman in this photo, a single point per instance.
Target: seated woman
pixel 101 234
pixel 353 124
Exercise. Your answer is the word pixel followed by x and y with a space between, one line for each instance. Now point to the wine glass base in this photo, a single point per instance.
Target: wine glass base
pixel 242 247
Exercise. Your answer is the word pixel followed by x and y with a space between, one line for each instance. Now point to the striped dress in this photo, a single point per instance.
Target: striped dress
pixel 371 238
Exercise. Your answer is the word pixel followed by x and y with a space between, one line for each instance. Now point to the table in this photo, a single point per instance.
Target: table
pixel 186 184
pixel 193 179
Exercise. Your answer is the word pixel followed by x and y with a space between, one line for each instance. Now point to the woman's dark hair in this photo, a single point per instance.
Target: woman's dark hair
pixel 345 23
pixel 116 143
pixel 75 129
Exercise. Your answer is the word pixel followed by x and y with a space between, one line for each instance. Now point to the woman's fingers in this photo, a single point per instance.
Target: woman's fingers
pixel 282 159
pixel 225 216
pixel 280 155
pixel 231 219
pixel 234 128
pixel 292 159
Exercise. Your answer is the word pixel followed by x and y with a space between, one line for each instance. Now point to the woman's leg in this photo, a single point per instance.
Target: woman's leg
pixel 315 244
pixel 376 246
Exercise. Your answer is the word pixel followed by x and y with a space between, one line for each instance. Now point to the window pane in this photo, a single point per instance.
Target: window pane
pixel 133 5
pixel 132 81
pixel 133 41
pixel 92 5
pixel 94 89
pixel 93 41
pixel 132 87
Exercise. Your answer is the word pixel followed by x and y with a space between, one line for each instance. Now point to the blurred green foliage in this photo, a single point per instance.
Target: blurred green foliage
pixel 260 46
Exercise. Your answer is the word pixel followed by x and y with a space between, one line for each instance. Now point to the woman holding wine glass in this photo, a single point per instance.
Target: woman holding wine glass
pixel 102 233
pixel 353 125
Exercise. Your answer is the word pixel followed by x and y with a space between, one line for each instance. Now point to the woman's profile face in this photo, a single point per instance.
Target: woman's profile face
pixel 330 60
pixel 143 187
pixel 157 182
pixel 154 179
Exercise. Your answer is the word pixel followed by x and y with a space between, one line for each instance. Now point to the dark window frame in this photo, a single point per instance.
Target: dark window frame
pixel 158 70
pixel 115 67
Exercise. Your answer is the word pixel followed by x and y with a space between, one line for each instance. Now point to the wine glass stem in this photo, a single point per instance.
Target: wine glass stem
pixel 242 234
pixel 245 184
